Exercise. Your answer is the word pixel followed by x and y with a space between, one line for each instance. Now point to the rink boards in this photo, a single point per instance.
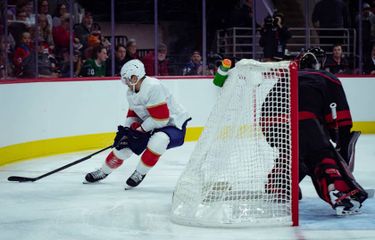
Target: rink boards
pixel 46 117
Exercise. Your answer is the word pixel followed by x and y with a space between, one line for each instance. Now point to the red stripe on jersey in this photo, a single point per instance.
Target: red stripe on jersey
pixel 341 115
pixel 341 124
pixel 345 123
pixel 131 113
pixel 112 161
pixel 150 158
pixel 304 115
pixel 159 112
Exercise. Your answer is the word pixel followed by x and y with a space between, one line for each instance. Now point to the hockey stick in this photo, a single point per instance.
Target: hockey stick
pixel 336 128
pixel 27 179
pixel 370 192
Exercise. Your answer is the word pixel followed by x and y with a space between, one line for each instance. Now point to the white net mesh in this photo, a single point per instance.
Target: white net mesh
pixel 239 171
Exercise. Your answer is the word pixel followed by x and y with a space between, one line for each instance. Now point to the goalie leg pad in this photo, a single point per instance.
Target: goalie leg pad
pixel 327 174
pixel 332 175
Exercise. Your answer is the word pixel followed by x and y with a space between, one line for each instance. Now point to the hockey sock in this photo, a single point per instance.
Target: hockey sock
pixel 148 160
pixel 111 162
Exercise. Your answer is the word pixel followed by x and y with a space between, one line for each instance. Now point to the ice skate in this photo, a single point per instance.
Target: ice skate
pixel 134 180
pixel 95 176
pixel 344 204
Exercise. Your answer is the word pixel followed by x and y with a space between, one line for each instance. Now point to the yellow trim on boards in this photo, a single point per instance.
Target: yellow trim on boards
pixel 53 146
pixel 364 127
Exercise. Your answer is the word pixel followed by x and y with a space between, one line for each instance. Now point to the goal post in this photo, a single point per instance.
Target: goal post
pixel 244 168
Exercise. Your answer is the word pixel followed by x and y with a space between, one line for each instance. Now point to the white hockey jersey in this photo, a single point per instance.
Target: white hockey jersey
pixel 154 107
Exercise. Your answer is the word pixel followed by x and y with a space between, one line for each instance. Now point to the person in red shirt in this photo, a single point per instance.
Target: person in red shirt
pixel 61 33
pixel 22 52
pixel 149 62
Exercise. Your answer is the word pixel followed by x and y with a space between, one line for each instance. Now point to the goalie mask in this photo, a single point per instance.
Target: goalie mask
pixel 132 68
pixel 312 58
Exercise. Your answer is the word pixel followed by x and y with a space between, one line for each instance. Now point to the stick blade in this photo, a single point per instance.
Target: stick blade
pixel 20 179
pixel 370 192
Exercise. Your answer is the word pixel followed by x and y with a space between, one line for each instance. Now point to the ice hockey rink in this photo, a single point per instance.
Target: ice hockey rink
pixel 61 207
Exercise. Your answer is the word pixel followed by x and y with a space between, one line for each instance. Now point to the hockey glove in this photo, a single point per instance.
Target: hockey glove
pixel 119 141
pixel 133 139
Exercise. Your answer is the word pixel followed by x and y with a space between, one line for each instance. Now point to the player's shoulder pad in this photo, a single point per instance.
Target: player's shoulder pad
pixel 150 84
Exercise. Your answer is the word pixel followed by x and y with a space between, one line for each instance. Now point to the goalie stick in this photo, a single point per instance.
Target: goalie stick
pixel 336 125
pixel 370 192
pixel 29 179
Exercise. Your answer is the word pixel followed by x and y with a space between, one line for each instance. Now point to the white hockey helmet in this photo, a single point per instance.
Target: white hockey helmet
pixel 132 68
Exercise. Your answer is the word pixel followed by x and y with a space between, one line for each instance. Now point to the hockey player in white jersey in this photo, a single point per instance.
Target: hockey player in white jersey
pixel 155 122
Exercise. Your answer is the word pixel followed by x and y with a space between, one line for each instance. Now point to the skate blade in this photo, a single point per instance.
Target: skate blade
pixel 128 188
pixel 341 212
pixel 370 193
pixel 86 182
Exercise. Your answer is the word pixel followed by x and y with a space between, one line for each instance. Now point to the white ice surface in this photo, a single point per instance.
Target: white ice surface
pixel 61 207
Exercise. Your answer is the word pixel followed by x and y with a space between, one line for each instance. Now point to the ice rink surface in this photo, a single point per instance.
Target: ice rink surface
pixel 61 207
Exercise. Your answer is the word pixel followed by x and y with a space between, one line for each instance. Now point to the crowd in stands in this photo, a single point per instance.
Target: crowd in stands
pixel 44 40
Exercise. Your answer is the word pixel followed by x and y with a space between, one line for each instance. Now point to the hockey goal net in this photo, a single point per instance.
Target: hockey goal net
pixel 244 168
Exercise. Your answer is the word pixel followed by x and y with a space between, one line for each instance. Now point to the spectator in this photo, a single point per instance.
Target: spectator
pixel 120 54
pixel 368 24
pixel 337 63
pixel 242 14
pixel 77 63
pixel 83 30
pixel 61 34
pixel 46 66
pixel 149 62
pixel 274 37
pixel 131 50
pixel 23 57
pixel 5 69
pixel 59 12
pixel 195 66
pixel 11 13
pixel 369 66
pixel 96 66
pixel 45 31
pixel 17 28
pixel 28 7
pixel 96 38
pixel 43 9
pixel 330 14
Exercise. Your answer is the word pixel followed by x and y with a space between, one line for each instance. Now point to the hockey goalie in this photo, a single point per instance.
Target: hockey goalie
pixel 326 143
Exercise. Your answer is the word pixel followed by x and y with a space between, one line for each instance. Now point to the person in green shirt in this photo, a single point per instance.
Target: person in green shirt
pixel 96 67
